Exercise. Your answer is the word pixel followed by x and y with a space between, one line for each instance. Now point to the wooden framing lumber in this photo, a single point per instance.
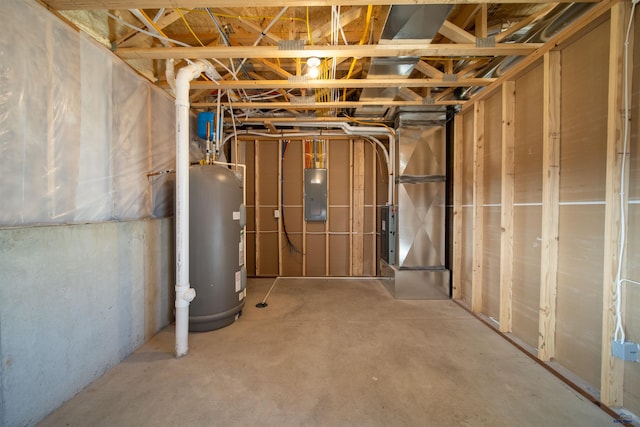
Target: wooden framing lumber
pixel 280 206
pixel 455 33
pixel 324 105
pixel 550 206
pixel 590 16
pixel 478 208
pixel 381 50
pixel 256 203
pixel 351 196
pixel 458 153
pixel 612 369
pixel 506 203
pixel 331 83
pixel 357 259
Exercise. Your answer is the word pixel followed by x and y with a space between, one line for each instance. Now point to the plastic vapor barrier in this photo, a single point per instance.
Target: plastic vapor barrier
pixel 80 132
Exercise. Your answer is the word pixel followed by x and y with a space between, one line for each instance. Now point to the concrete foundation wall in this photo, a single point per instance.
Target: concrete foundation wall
pixel 74 301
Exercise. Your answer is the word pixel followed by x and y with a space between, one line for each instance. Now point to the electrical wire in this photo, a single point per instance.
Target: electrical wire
pixel 309 34
pixel 360 43
pixel 619 331
pixel 189 26
pixel 290 245
pixel 370 123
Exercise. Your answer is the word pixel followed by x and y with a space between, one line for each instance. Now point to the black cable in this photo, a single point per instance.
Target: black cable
pixel 292 247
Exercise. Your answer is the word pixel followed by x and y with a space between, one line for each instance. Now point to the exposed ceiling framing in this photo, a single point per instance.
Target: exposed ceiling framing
pixel 261 52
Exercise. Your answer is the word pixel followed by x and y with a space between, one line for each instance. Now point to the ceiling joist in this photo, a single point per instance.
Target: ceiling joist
pixel 151 4
pixel 338 83
pixel 326 105
pixel 412 50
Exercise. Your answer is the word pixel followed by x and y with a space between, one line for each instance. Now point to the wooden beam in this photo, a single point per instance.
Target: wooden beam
pixel 466 15
pixel 550 205
pixel 458 224
pixel 134 38
pixel 481 21
pixel 324 105
pixel 429 70
pixel 471 68
pixel 357 260
pixel 455 33
pixel 377 50
pixel 408 95
pixel 506 203
pixel 332 83
pixel 612 369
pixel 478 208
pixel 271 66
pixel 190 4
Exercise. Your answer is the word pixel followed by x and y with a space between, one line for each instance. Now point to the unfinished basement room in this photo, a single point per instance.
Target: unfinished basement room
pixel 319 213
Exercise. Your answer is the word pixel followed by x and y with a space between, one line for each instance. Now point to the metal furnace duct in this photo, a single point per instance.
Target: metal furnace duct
pixel 405 23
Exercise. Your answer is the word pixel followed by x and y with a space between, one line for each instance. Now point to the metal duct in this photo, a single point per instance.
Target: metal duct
pixel 539 32
pixel 404 23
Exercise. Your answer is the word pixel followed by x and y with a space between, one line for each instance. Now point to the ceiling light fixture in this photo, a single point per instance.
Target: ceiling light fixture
pixel 312 67
pixel 313 62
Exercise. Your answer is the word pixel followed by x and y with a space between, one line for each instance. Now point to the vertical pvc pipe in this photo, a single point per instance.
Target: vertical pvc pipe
pixel 184 293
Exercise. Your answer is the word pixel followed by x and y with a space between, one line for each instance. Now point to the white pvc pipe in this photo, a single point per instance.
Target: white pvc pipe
pixel 363 131
pixel 184 293
pixel 348 130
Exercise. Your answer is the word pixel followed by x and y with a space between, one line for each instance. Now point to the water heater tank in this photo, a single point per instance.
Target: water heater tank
pixel 216 264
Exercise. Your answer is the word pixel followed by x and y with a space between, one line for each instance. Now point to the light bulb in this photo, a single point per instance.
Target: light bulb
pixel 313 72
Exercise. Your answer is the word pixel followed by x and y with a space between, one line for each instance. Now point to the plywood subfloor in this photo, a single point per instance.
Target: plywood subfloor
pixel 331 353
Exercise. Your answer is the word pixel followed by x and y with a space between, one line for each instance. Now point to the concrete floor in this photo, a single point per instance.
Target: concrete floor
pixel 332 353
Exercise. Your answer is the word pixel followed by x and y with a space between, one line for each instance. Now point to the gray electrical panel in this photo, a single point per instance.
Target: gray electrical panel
pixel 388 234
pixel 315 195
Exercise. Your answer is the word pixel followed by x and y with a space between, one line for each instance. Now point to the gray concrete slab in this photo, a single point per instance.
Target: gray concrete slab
pixel 332 353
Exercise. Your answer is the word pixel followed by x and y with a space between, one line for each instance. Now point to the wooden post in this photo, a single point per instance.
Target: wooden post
pixel 357 259
pixel 612 369
pixel 327 266
pixel 304 222
pixel 279 204
pixel 478 208
pixel 458 172
pixel 506 202
pixel 482 16
pixel 374 215
pixel 351 196
pixel 256 208
pixel 550 206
